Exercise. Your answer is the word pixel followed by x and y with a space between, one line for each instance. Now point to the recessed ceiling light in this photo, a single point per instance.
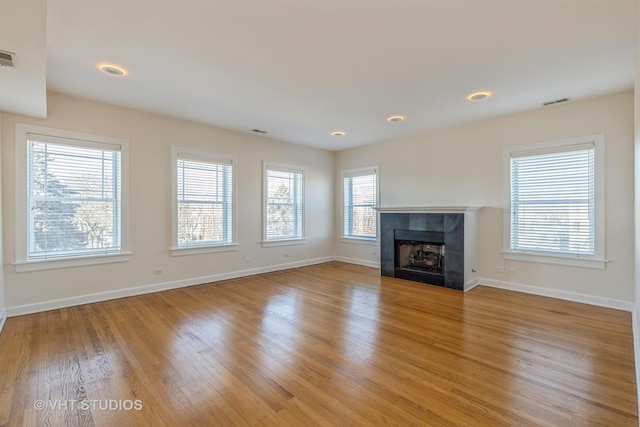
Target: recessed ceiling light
pixel 478 96
pixel 395 118
pixel 338 133
pixel 113 70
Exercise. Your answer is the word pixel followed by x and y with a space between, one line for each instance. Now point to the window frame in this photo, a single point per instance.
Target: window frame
pixel 204 156
pixel 22 263
pixel 285 241
pixel 597 260
pixel 347 238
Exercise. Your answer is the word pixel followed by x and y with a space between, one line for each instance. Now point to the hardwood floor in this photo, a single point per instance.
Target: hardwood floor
pixel 333 344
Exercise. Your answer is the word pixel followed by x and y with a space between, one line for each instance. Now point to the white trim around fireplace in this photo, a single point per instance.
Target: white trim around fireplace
pixel 428 209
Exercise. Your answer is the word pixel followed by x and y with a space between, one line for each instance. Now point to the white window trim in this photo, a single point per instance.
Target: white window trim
pixel 598 260
pixel 283 242
pixel 370 241
pixel 209 247
pixel 22 267
pixel 22 264
pixel 286 241
pixel 361 240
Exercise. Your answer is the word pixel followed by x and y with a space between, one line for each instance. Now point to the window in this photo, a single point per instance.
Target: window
pixel 555 202
pixel 70 202
pixel 360 195
pixel 283 202
pixel 203 201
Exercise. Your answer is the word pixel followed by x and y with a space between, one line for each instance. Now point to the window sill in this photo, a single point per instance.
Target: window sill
pixel 52 264
pixel 556 259
pixel 360 241
pixel 195 250
pixel 283 242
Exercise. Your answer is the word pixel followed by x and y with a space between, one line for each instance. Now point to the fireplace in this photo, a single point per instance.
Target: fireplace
pixel 419 256
pixel 432 245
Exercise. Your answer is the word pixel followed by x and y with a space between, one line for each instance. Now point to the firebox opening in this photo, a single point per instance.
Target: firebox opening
pixel 419 256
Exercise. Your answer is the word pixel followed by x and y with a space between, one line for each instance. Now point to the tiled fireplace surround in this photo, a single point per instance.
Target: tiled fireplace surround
pixel 459 227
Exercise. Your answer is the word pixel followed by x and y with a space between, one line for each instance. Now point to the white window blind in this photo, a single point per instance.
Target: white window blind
pixel 553 201
pixel 360 191
pixel 74 198
pixel 204 201
pixel 284 189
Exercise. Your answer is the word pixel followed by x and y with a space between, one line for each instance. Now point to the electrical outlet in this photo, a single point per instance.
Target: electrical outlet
pixel 247 259
pixel 498 269
pixel 511 270
pixel 287 254
pixel 158 271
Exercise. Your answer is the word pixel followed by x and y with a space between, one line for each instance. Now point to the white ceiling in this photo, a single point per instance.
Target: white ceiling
pixel 300 69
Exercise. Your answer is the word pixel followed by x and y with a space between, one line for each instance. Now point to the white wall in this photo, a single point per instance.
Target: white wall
pixel 2 303
pixel 636 116
pixel 463 166
pixel 150 139
pixel 457 166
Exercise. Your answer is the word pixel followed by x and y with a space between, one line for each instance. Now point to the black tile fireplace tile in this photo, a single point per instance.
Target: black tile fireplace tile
pixel 386 267
pixel 454 223
pixel 454 280
pixel 418 222
pixel 435 222
pixel 390 222
pixel 453 261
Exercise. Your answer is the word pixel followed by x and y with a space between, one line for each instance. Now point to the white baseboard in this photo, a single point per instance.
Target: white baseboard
pixel 636 348
pixel 3 318
pixel 470 285
pixel 374 264
pixel 156 287
pixel 554 293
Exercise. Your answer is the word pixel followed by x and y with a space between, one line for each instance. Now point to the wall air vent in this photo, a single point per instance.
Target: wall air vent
pixel 557 101
pixel 7 59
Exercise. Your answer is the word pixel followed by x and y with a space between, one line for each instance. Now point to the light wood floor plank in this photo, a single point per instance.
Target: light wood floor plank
pixel 332 344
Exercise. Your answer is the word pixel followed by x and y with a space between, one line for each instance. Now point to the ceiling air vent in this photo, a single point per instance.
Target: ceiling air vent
pixel 557 101
pixel 7 59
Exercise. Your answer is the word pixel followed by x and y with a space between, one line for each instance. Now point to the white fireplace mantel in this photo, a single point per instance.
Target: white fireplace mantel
pixel 428 209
